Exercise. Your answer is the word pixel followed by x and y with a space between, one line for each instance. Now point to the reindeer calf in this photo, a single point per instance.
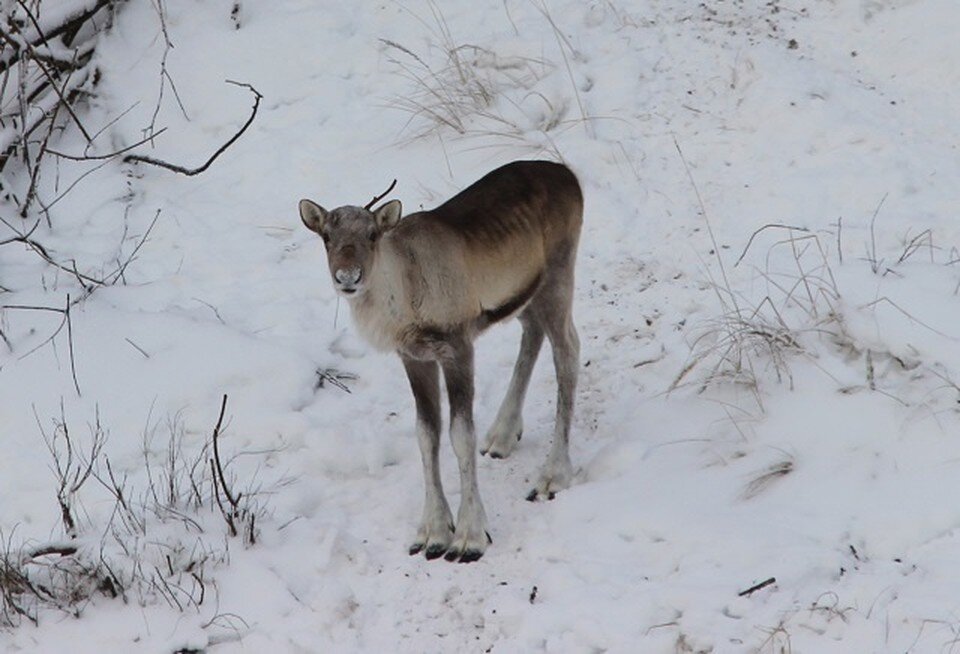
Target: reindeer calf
pixel 427 285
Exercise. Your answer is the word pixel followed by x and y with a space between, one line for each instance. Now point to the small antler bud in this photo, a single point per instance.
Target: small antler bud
pixel 377 198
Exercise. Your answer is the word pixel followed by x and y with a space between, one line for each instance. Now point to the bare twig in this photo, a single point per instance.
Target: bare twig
pixel 111 155
pixel 760 229
pixel 135 158
pixel 117 275
pixel 60 549
pixel 763 584
pixel 138 348
pixel 914 244
pixel 909 315
pixel 334 377
pixel 41 251
pixel 216 454
pixel 70 467
pixel 88 282
pixel 839 241
pixel 165 76
pixel 64 322
pixel 53 83
pixel 872 254
pixel 713 238
pixel 73 363
pixel 561 42
pixel 73 23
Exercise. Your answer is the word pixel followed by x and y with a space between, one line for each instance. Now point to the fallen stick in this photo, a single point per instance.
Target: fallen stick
pixel 763 584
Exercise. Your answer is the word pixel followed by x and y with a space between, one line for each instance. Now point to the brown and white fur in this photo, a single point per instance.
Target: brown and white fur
pixel 427 285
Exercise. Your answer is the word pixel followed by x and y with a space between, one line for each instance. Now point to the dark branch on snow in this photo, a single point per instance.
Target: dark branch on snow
pixel 136 158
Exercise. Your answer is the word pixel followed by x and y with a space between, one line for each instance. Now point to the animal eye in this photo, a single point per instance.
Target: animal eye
pixel 373 237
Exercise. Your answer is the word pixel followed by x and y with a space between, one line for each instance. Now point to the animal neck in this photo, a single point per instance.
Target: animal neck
pixel 381 311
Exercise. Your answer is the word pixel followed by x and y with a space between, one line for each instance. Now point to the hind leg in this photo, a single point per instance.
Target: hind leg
pixel 557 472
pixel 508 425
pixel 552 310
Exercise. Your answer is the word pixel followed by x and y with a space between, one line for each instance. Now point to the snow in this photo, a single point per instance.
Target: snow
pixel 835 118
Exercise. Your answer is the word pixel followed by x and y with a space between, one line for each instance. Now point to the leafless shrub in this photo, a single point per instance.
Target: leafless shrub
pixel 777 640
pixel 59 574
pixel 161 542
pixel 802 304
pixel 910 245
pixel 45 67
pixel 48 74
pixel 747 339
pixel 72 467
pixel 178 486
pixel 239 512
pixel 801 308
pixel 472 91
pixel 464 88
pixel 55 575
pixel 750 338
pixel 871 256
pixel 89 283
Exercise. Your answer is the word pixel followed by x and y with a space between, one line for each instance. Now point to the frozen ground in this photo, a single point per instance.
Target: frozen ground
pixel 811 429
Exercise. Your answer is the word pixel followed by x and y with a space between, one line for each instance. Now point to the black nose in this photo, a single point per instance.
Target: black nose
pixel 348 276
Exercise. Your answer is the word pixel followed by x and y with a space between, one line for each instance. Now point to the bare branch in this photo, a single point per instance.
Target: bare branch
pixel 73 363
pixel 757 232
pixel 118 273
pixel 219 476
pixel 135 158
pixel 62 549
pixel 763 584
pixel 111 155
pixel 88 282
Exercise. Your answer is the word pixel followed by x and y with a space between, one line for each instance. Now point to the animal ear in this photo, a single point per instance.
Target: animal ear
pixel 388 215
pixel 312 215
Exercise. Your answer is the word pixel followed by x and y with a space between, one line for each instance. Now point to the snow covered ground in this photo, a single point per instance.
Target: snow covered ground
pixel 753 403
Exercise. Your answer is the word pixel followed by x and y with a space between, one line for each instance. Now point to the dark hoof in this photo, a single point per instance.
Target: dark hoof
pixel 535 495
pixel 494 455
pixel 416 548
pixel 470 556
pixel 435 552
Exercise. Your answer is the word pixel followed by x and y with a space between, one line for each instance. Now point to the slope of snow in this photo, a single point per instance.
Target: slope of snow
pixel 837 479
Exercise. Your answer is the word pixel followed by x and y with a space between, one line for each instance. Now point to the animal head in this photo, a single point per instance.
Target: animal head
pixel 351 236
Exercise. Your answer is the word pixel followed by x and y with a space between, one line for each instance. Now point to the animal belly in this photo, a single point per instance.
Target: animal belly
pixel 497 308
pixel 507 278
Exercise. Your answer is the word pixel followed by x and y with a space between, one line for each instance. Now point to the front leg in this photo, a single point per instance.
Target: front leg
pixel 436 526
pixel 471 538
